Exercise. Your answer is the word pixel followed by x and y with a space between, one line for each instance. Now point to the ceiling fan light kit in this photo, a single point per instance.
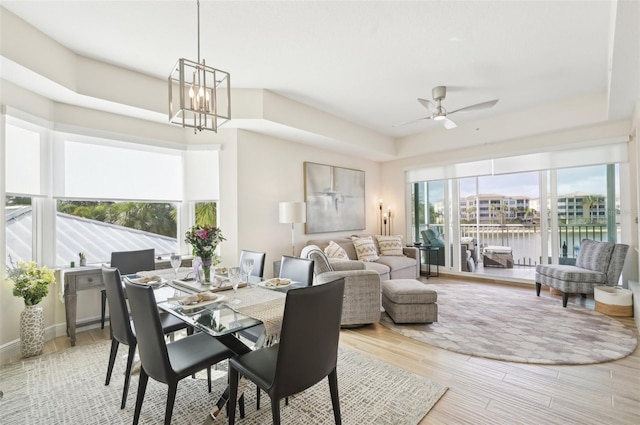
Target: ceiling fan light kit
pixel 439 113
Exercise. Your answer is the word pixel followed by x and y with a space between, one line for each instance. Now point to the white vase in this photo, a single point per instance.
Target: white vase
pixel 31 330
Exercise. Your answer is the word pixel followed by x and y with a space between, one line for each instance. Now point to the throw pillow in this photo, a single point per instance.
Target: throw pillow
pixel 365 248
pixel 390 245
pixel 333 250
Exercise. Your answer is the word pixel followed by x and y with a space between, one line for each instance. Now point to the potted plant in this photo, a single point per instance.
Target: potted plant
pixel 204 240
pixel 32 284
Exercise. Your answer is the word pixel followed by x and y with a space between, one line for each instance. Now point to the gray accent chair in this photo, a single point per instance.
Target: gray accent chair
pixel 598 263
pixel 361 304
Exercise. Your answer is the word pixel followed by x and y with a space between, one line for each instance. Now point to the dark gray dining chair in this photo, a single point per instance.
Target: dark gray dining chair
pixel 172 362
pixel 128 262
pixel 307 351
pixel 121 330
pixel 258 261
pixel 294 268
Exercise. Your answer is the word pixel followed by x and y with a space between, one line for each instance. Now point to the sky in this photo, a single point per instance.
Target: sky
pixel 590 179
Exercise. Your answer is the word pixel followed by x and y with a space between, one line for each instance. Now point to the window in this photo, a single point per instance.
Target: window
pixel 19 229
pixel 98 228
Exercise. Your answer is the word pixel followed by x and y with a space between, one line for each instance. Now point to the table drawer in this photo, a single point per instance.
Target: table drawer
pixel 88 281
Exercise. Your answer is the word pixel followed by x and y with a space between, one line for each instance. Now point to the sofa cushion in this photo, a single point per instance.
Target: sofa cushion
pixel 395 262
pixel 365 249
pixel 333 250
pixel 594 255
pixel 390 245
pixel 382 269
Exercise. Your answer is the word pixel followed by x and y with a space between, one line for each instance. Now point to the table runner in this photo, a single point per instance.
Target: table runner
pixel 270 313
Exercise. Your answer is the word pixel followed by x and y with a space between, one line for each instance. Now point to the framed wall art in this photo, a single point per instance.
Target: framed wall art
pixel 334 197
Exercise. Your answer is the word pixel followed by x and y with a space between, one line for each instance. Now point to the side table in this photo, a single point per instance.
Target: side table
pixel 428 250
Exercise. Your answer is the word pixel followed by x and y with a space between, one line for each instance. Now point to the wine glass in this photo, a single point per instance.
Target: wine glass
pixel 247 267
pixel 234 277
pixel 175 261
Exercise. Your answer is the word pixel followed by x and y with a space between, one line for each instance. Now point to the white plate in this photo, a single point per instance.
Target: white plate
pixel 154 284
pixel 272 286
pixel 197 305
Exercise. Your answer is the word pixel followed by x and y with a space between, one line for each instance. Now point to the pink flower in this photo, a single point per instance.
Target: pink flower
pixel 201 233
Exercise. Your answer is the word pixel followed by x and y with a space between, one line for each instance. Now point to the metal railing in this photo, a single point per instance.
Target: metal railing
pixel 525 239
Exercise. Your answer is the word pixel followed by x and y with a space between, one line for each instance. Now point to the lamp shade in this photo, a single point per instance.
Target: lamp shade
pixel 293 212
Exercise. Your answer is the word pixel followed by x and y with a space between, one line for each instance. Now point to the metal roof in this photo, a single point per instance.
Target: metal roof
pixel 76 234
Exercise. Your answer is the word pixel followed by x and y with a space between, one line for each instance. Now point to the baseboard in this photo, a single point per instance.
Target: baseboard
pixel 11 349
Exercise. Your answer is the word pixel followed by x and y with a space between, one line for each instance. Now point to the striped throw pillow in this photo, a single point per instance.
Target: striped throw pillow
pixel 390 245
pixel 365 248
pixel 333 250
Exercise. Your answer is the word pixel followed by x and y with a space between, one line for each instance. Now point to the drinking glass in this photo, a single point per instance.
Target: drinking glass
pixel 247 267
pixel 234 277
pixel 175 261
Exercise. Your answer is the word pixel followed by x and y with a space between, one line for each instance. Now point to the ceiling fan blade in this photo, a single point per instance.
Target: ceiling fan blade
pixel 448 124
pixel 412 121
pixel 429 105
pixel 483 105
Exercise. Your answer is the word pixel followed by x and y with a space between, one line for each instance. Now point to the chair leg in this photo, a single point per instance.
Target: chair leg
pixel 112 358
pixel 171 398
pixel 233 395
pixel 103 294
pixel 257 397
pixel 275 410
pixel 209 377
pixel 565 298
pixel 335 400
pixel 142 387
pixel 538 286
pixel 241 406
pixel 127 375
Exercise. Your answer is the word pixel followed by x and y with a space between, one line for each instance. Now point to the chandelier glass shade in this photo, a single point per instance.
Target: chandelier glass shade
pixel 199 95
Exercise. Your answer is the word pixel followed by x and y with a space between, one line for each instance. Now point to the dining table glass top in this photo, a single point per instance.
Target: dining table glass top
pixel 258 304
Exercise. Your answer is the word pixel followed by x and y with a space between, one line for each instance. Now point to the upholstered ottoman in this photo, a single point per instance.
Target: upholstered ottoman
pixel 409 301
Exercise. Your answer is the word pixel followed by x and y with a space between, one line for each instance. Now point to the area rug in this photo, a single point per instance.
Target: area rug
pixel 68 388
pixel 503 323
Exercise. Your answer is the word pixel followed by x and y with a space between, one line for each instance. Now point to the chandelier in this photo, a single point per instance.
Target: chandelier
pixel 199 95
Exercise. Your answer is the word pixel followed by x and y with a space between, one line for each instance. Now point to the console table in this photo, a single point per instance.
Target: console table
pixel 78 279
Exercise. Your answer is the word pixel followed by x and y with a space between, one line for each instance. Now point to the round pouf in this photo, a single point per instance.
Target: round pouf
pixel 31 330
pixel 613 301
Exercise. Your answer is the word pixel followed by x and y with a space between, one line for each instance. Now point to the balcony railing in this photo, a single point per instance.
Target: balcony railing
pixel 525 239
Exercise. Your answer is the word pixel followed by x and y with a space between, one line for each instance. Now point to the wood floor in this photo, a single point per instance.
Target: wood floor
pixel 483 391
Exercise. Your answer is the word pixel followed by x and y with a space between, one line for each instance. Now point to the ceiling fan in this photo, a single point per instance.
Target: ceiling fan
pixel 439 113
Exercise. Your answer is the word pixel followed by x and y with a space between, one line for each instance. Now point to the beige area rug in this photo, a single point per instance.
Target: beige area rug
pixel 68 388
pixel 501 323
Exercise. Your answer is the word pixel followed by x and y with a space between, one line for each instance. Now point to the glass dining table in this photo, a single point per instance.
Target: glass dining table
pixel 258 304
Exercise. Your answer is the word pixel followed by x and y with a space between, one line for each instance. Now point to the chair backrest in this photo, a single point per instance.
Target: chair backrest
pixel 308 349
pixel 258 261
pixel 146 319
pixel 118 312
pixel 298 269
pixel 129 262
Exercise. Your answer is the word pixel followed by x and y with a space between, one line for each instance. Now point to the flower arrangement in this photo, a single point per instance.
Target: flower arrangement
pixel 30 281
pixel 204 240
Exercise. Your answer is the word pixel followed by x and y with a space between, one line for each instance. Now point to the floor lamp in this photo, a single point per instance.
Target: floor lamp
pixel 292 213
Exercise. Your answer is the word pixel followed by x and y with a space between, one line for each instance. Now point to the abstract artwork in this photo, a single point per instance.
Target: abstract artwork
pixel 334 197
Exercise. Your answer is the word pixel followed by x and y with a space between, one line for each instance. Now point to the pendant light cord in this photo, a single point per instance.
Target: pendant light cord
pixel 198 31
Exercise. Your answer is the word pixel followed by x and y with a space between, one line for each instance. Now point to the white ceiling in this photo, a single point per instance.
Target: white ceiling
pixel 365 62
